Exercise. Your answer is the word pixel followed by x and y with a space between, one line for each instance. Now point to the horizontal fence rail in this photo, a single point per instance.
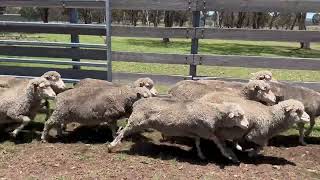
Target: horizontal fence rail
pixel 115 4
pixel 94 29
pixel 196 59
pixel 74 75
pixel 161 32
pixel 81 74
pixel 258 62
pixel 225 5
pixel 55 62
pixel 260 35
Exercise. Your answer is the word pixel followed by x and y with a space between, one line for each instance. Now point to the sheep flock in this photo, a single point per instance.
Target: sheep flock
pixel 235 116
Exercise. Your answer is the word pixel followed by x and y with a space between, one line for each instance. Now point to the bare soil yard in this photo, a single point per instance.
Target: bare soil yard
pixel 82 154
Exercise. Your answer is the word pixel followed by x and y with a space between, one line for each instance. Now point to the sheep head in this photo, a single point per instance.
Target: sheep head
pixel 295 110
pixel 235 116
pixel 262 75
pixel 148 83
pixel 259 90
pixel 42 88
pixel 55 81
pixel 143 92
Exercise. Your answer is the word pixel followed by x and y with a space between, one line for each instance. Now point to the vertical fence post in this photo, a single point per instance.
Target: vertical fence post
pixel 194 42
pixel 74 37
pixel 108 40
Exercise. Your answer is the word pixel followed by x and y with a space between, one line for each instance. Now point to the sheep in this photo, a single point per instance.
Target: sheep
pixel 53 77
pixel 257 90
pixel 20 104
pixel 262 75
pixel 183 119
pixel 282 91
pixel 94 106
pixel 309 97
pixel 264 121
pixel 141 82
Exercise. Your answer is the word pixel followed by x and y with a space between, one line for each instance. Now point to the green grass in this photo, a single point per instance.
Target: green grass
pixel 182 46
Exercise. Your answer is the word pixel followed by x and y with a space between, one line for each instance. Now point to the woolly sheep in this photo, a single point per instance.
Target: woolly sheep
pixel 184 119
pixel 285 91
pixel 20 104
pixel 264 121
pixel 53 77
pixel 94 106
pixel 262 75
pixel 254 90
pixel 309 97
pixel 141 82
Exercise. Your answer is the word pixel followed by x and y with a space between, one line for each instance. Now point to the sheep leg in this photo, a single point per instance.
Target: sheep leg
pixel 124 132
pixel 47 109
pixel 312 123
pixel 200 154
pixel 301 134
pixel 113 126
pixel 224 150
pixel 255 152
pixel 47 126
pixel 25 121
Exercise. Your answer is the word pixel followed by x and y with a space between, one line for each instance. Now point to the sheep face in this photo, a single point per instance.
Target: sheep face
pixel 43 88
pixel 143 92
pixel 148 83
pixel 262 75
pixel 295 110
pixel 55 81
pixel 235 116
pixel 262 91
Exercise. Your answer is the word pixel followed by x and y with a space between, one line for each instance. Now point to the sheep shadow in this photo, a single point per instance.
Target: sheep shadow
pixel 86 134
pixel 178 153
pixel 31 132
pixel 291 141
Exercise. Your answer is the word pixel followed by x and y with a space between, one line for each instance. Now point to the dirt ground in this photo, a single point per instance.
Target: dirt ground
pixel 82 154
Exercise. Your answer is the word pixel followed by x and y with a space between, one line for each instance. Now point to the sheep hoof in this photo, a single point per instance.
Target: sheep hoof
pixel 13 134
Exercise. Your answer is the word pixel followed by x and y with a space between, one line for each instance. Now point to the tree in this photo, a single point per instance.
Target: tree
pixel 29 13
pixel 2 10
pixel 44 14
pixel 168 22
pixel 85 15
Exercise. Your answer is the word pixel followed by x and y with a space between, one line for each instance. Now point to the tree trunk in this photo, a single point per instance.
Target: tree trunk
pixel 168 22
pixel 274 17
pixel 302 26
pixel 44 14
pixel 241 18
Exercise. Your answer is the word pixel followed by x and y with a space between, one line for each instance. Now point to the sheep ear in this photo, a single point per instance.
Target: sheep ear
pixel 231 115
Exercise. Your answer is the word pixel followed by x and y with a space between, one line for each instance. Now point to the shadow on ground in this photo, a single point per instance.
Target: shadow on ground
pixel 291 141
pixel 178 153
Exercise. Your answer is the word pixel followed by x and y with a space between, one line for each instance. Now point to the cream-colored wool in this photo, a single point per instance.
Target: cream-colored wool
pixel 20 104
pixel 94 105
pixel 184 119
